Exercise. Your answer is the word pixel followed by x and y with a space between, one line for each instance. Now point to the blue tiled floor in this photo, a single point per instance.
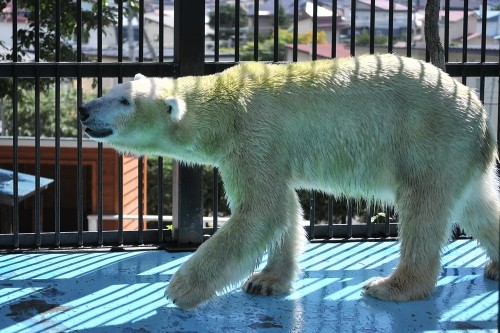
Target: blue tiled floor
pixel 123 292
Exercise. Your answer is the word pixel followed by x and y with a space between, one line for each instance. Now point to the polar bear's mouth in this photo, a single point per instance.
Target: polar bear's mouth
pixel 102 133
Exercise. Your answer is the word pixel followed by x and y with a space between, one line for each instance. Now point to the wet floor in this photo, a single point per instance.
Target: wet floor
pixel 123 292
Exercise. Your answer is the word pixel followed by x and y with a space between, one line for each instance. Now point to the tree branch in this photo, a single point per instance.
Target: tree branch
pixel 432 40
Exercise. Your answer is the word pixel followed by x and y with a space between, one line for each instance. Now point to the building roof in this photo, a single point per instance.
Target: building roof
pixel 384 5
pixel 323 50
pixel 321 11
pixel 456 15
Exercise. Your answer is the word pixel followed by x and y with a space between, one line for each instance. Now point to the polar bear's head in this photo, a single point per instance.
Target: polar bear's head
pixel 134 115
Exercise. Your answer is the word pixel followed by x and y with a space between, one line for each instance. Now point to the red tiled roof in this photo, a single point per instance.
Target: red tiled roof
pixel 455 15
pixel 323 50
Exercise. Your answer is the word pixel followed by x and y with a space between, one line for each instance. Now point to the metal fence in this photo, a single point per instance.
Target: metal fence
pixel 130 37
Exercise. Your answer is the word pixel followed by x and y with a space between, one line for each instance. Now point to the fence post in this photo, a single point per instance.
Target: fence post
pixel 189 56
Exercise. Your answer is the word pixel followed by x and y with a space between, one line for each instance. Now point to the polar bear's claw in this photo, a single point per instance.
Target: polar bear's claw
pixel 492 270
pixel 266 284
pixel 389 289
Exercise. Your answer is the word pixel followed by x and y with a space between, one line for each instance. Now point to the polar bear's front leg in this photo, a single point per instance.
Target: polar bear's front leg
pixel 233 252
pixel 223 260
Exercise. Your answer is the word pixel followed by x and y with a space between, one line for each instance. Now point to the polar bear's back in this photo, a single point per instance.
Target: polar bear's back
pixel 396 81
pixel 342 118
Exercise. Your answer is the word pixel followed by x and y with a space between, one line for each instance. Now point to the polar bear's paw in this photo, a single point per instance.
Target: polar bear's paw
pixel 391 289
pixel 492 270
pixel 266 283
pixel 186 291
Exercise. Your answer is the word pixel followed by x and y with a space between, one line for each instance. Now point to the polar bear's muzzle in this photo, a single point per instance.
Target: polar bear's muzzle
pixel 94 127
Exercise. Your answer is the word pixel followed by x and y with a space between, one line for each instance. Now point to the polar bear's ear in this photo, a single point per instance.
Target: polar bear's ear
pixel 176 108
pixel 139 76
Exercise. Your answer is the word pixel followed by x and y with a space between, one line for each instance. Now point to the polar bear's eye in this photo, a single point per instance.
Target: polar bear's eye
pixel 169 109
pixel 125 101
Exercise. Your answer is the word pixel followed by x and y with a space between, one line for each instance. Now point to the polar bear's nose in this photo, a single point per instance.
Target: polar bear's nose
pixel 83 112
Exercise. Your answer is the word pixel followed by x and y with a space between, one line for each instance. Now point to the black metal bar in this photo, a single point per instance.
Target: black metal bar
pixel 295 30
pixel 120 31
pixel 100 177
pixel 15 131
pixel 314 44
pixel 141 30
pixel 160 200
pixel 312 214
pixel 120 80
pixel 372 26
pixel 387 227
pixel 330 216
pixel 349 218
pixel 38 219
pixel 161 37
pixel 334 28
pixel 276 31
pixel 465 31
pixel 99 32
pixel 140 160
pixel 390 36
pixel 57 167
pixel 353 27
pixel 215 199
pixel 189 36
pixel 140 181
pixel 79 173
pixel 481 88
pixel 57 134
pixel 369 213
pixel 409 28
pixel 446 30
pixel 484 16
pixel 38 216
pixel 237 10
pixel 100 181
pixel 216 30
pixel 255 31
pixel 120 199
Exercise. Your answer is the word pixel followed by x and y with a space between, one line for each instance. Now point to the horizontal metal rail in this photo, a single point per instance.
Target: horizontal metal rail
pixel 94 69
pixel 86 69
pixel 90 238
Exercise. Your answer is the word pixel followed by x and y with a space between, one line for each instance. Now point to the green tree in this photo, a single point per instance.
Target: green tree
pixel 26 112
pixel 266 45
pixel 208 186
pixel 364 39
pixel 42 38
pixel 227 20
pixel 283 19
pixel 47 25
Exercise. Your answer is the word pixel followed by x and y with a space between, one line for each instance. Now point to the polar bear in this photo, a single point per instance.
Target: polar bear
pixel 380 126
